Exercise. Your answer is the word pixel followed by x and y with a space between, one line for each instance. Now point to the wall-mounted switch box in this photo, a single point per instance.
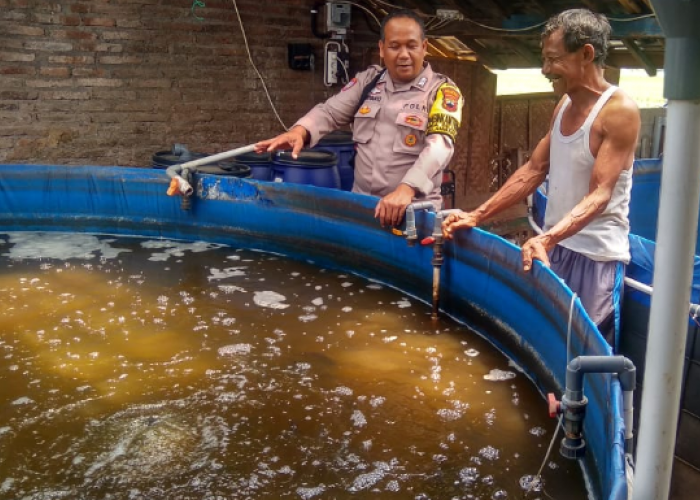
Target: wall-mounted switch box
pixel 300 56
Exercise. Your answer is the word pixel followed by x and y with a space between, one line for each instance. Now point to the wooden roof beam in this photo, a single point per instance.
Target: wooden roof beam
pixel 486 56
pixel 640 56
pixel 522 50
pixel 488 7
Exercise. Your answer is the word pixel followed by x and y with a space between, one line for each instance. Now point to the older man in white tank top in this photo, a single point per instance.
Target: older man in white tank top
pixel 588 154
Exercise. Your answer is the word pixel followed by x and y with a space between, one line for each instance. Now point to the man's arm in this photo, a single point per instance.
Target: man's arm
pixel 620 124
pixel 518 186
pixel 434 157
pixel 325 117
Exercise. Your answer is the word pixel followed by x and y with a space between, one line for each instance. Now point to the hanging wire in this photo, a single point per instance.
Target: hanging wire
pixel 538 477
pixel 568 329
pixel 197 4
pixel 250 58
pixel 368 11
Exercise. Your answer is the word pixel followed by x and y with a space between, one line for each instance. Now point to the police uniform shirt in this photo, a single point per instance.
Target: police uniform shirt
pixel 404 132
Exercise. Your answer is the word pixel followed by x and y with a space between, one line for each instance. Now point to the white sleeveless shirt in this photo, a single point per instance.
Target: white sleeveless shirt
pixel 605 238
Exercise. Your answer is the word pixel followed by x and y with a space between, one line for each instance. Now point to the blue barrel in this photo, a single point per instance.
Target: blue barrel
pixel 314 167
pixel 341 143
pixel 260 164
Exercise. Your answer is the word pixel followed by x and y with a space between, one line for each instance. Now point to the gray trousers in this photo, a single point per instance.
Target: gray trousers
pixel 598 286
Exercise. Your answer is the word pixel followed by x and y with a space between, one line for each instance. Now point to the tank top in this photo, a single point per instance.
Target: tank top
pixel 605 238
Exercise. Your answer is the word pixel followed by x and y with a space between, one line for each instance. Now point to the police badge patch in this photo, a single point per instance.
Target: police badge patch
pixel 349 85
pixel 446 112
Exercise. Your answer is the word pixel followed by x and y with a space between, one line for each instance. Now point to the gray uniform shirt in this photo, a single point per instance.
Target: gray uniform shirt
pixel 393 141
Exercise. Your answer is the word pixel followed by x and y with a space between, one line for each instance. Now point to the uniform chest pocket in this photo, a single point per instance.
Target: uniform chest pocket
pixel 410 135
pixel 365 120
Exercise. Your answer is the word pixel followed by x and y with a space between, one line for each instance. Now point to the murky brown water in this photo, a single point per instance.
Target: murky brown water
pixel 143 369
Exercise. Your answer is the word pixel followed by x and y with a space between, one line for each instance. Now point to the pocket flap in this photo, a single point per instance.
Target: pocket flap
pixel 367 110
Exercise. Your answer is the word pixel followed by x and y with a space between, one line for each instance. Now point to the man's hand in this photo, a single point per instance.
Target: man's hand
pixel 536 248
pixel 458 220
pixel 391 209
pixel 294 138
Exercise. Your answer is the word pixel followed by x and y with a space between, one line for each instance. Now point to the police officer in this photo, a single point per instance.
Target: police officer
pixel 404 128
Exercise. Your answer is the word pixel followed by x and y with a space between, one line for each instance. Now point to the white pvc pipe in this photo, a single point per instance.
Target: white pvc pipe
pixel 668 323
pixel 220 156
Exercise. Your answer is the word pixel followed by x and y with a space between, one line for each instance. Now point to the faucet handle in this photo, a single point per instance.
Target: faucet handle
pixel 554 405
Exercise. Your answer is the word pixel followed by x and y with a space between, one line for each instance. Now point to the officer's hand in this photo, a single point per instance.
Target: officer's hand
pixel 536 248
pixel 293 139
pixel 458 220
pixel 391 209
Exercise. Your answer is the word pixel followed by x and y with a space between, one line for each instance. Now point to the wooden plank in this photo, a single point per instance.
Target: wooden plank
pixel 640 56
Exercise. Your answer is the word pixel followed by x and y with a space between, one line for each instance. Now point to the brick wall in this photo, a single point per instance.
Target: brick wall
pixel 110 82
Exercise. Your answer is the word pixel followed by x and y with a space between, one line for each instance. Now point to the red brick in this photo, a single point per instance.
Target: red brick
pixel 60 72
pixel 23 30
pixel 17 70
pixel 108 47
pixel 119 60
pixel 98 82
pixel 65 95
pixel 98 21
pixel 72 60
pixel 16 57
pixel 46 46
pixel 153 83
pixel 89 72
pixel 14 16
pixel 79 8
pixel 48 83
pixel 73 35
pixel 9 95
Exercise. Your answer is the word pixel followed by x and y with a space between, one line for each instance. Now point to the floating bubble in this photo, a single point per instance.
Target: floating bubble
pixel 497 375
pixel 272 300
pixel 489 453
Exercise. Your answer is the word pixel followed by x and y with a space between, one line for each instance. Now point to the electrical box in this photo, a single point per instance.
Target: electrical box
pixel 300 56
pixel 336 63
pixel 338 17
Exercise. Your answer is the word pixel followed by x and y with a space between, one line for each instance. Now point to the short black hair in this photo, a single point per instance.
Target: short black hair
pixel 581 27
pixel 402 13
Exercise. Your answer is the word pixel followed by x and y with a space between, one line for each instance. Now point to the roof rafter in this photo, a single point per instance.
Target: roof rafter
pixel 640 56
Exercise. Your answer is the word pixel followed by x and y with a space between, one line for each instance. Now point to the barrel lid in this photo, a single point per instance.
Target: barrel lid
pixel 168 158
pixel 336 138
pixel 230 169
pixel 308 158
pixel 254 158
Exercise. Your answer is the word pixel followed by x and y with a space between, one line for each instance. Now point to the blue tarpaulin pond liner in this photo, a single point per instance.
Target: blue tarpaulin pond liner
pixel 526 316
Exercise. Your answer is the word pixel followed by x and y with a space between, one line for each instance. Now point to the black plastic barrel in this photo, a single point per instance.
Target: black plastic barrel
pixel 260 164
pixel 227 168
pixel 179 154
pixel 317 168
pixel 341 143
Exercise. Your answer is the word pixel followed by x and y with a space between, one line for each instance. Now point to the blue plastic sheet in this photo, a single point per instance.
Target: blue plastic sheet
pixel 525 315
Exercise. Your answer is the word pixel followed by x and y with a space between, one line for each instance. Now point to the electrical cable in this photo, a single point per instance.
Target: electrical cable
pixel 367 11
pixel 387 4
pixel 250 58
pixel 342 62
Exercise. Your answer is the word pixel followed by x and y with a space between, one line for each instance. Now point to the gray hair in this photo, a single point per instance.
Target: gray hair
pixel 581 27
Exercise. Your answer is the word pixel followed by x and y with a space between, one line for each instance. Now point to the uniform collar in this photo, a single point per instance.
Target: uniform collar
pixel 419 83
